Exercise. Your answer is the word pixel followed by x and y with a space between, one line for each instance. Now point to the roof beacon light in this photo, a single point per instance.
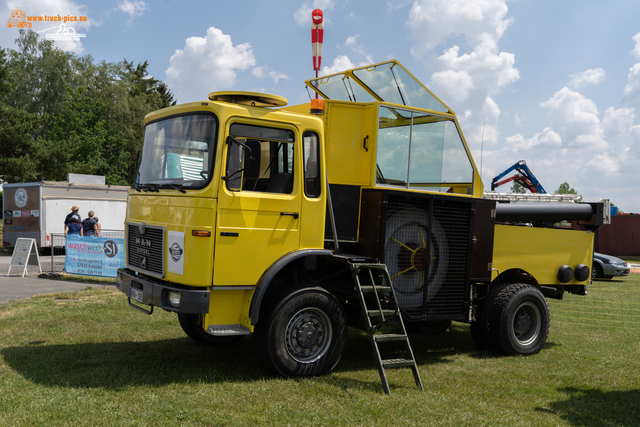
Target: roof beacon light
pixel 317 106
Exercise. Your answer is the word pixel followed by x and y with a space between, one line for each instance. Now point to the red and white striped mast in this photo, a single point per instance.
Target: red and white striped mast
pixel 317 34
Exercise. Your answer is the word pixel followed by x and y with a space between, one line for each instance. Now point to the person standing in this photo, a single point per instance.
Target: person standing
pixel 89 225
pixel 74 228
pixel 97 228
pixel 74 214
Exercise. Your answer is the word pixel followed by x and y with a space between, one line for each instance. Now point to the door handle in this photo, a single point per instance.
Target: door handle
pixel 295 215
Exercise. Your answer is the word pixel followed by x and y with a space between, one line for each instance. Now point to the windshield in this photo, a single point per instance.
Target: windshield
pixel 178 151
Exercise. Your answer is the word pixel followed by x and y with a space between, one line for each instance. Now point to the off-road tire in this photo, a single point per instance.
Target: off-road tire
pixel 301 334
pixel 518 320
pixel 192 326
pixel 480 328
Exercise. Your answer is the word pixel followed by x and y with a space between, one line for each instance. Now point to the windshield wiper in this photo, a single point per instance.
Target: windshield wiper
pixel 175 187
pixel 146 187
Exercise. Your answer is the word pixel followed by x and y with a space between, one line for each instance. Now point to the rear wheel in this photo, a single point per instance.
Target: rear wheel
pixel 303 334
pixel 192 326
pixel 518 320
pixel 480 327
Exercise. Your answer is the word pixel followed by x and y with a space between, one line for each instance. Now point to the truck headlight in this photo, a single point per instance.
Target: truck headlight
pixel 174 298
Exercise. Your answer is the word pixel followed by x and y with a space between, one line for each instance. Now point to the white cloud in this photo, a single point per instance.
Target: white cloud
pixel 264 72
pixel 133 8
pixel 456 84
pixel 48 7
pixel 207 64
pixel 590 76
pixel 352 43
pixel 470 73
pixel 631 91
pixel 636 49
pixel 548 139
pixel 342 63
pixel 434 21
pixel 576 118
pixel 302 16
pixel 517 120
pixel 595 152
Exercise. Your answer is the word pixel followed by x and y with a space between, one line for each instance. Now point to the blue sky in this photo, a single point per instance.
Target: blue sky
pixel 554 83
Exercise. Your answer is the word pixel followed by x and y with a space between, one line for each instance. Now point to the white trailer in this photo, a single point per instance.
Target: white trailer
pixel 37 209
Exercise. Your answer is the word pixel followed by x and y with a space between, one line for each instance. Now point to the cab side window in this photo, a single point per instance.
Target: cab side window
pixel 311 155
pixel 260 159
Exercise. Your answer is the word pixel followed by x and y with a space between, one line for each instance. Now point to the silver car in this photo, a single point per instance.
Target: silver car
pixel 607 266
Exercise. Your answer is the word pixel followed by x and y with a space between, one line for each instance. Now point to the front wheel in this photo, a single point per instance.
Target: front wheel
pixel 519 320
pixel 303 334
pixel 192 326
pixel 596 272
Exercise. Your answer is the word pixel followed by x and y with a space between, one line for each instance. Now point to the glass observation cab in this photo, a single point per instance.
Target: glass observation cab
pixel 419 143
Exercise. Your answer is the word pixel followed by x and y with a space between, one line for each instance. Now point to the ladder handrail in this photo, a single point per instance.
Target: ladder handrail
pixel 409 362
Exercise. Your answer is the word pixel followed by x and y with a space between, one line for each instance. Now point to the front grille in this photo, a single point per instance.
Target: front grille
pixel 426 244
pixel 145 251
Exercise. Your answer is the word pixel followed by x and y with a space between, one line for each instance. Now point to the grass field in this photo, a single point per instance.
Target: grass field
pixel 89 359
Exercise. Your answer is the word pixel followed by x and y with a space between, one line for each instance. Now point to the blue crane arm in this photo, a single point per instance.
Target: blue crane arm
pixel 522 168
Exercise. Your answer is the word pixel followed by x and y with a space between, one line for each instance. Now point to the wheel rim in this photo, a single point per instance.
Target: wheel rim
pixel 526 324
pixel 308 335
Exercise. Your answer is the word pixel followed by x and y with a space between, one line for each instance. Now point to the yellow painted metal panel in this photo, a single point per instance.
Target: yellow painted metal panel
pixel 229 307
pixel 252 233
pixel 541 251
pixel 348 124
pixel 182 214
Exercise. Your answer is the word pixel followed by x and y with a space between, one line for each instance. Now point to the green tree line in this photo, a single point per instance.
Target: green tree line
pixel 63 113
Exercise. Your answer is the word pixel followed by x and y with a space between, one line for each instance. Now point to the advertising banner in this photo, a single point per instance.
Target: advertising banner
pixel 93 256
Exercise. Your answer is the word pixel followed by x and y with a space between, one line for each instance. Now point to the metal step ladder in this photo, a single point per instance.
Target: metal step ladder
pixel 372 309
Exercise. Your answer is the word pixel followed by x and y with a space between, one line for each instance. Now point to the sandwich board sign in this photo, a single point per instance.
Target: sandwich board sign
pixel 25 253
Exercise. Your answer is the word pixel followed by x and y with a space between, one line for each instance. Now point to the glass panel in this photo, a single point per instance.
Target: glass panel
pixel 234 167
pixel 381 81
pixel 178 151
pixel 311 165
pixel 427 140
pixel 426 148
pixel 393 84
pixel 393 148
pixel 456 165
pixel 342 89
pixel 262 132
pixel 260 164
pixel 415 94
pixel 332 87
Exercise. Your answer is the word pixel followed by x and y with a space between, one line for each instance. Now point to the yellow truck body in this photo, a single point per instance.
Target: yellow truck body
pixel 247 209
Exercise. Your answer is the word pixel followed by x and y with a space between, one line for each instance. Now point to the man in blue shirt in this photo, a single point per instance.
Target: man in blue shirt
pixel 88 225
pixel 74 214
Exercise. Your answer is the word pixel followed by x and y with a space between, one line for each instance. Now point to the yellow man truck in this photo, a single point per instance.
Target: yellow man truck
pixel 253 217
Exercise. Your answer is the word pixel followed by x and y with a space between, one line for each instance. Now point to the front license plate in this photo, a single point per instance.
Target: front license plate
pixel 136 295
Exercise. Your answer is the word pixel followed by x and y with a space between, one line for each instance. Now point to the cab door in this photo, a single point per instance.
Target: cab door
pixel 259 202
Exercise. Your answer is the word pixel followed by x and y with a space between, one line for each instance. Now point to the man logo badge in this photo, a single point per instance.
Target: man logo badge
pixel 143 262
pixel 176 252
